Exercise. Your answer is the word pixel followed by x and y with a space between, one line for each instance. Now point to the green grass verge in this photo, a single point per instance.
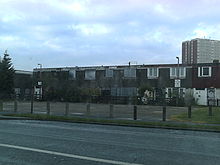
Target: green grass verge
pixel 200 115
pixel 120 122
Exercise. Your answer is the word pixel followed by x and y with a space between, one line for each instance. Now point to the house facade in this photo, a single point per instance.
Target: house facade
pixel 22 84
pixel 199 81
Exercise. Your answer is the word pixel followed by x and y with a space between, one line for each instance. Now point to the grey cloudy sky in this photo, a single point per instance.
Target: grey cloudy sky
pixel 59 33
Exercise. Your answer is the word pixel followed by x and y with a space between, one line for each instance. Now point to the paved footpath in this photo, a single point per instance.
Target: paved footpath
pixel 29 142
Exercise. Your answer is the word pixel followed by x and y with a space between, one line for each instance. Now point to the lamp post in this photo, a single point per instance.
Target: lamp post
pixel 178 67
pixel 40 65
pixel 40 82
pixel 178 80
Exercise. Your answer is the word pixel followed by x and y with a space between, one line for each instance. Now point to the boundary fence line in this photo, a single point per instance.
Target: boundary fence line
pixel 87 110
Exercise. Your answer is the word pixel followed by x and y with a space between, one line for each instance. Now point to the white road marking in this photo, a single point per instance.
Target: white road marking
pixel 68 155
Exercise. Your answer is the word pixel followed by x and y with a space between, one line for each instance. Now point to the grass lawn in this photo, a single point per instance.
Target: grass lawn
pixel 200 115
pixel 155 124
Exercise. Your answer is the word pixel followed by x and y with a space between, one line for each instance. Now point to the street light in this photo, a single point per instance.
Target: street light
pixel 178 67
pixel 40 66
pixel 40 82
pixel 40 71
pixel 178 80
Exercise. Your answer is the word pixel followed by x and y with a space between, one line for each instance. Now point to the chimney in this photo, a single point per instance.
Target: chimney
pixel 215 61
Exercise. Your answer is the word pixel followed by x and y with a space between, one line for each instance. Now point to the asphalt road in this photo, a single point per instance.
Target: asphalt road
pixel 26 142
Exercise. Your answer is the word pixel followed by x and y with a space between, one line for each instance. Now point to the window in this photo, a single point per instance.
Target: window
pixel 169 92
pixel 108 73
pixel 174 72
pixel 174 92
pixel 72 74
pixel 182 72
pixel 27 91
pixel 182 92
pixel 124 91
pixel 90 74
pixel 204 71
pixel 152 72
pixel 130 72
pixel 17 91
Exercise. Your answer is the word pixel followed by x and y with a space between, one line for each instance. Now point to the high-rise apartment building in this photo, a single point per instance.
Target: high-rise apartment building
pixel 200 51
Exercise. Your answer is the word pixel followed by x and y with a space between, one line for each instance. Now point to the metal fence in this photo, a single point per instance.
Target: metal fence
pixel 120 108
pixel 93 110
pixel 135 100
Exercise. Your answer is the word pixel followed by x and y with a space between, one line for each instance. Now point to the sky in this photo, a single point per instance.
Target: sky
pixel 68 33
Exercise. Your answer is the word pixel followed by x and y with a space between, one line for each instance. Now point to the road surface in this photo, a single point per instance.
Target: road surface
pixel 29 142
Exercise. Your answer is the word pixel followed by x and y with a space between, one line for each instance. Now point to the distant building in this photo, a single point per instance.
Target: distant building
pixel 200 51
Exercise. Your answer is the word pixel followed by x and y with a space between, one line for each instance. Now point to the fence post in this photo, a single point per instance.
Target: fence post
pixel 189 111
pixel 135 112
pixel 111 111
pixel 164 113
pixel 210 110
pixel 32 103
pixel 15 106
pixel 88 109
pixel 48 108
pixel 67 109
pixel 1 106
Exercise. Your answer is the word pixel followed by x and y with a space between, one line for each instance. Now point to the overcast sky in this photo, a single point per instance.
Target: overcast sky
pixel 60 33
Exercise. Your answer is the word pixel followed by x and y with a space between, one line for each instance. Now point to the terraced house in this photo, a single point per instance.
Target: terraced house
pixel 198 81
pixel 23 84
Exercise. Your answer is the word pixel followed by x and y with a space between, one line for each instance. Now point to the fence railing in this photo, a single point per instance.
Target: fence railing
pixel 111 111
pixel 103 111
pixel 136 100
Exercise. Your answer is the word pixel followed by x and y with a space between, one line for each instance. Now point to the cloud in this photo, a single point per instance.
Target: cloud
pixel 8 38
pixel 207 31
pixel 97 32
pixel 91 29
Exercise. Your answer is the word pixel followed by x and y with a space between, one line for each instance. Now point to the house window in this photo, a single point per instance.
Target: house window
pixel 90 74
pixel 204 71
pixel 169 92
pixel 182 92
pixel 174 92
pixel 72 74
pixel 17 91
pixel 124 91
pixel 108 73
pixel 130 72
pixel 182 72
pixel 174 72
pixel 152 72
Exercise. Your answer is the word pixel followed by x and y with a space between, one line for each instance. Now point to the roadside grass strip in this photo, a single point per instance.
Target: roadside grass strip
pixel 200 116
pixel 176 122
